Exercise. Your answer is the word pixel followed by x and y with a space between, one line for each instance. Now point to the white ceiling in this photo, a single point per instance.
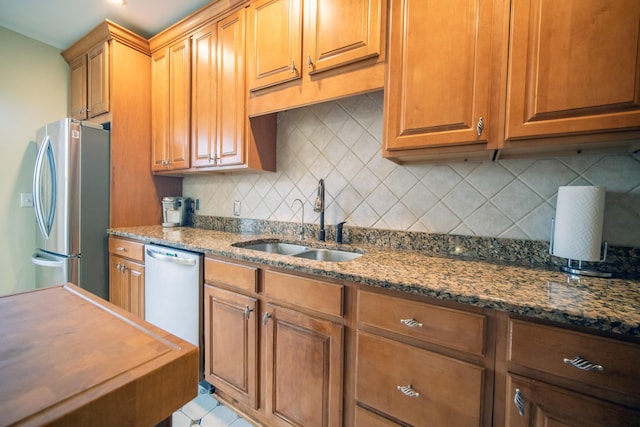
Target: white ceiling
pixel 60 23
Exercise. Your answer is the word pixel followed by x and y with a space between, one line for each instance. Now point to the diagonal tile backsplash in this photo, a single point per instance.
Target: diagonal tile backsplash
pixel 340 141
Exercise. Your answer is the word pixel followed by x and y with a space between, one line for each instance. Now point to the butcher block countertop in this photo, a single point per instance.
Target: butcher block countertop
pixel 68 357
pixel 607 305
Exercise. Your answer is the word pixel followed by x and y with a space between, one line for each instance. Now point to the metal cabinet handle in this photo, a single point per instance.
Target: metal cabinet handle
pixel 408 391
pixel 480 126
pixel 265 318
pixel 309 62
pixel 411 323
pixel 293 65
pixel 519 401
pixel 121 249
pixel 583 364
pixel 247 312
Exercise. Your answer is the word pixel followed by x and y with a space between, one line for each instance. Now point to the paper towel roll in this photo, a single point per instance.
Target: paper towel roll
pixel 578 224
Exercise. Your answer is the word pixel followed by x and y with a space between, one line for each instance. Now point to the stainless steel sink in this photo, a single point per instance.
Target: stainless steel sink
pixel 277 248
pixel 330 255
pixel 300 251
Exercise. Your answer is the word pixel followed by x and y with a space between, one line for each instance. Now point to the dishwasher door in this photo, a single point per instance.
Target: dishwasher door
pixel 173 291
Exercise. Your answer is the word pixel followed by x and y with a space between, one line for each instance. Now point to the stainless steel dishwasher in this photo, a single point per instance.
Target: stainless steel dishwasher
pixel 173 292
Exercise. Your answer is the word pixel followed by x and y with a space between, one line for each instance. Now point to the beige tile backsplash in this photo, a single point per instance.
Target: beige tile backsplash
pixel 340 141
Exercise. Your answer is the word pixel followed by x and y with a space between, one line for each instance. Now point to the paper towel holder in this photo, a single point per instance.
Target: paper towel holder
pixel 579 270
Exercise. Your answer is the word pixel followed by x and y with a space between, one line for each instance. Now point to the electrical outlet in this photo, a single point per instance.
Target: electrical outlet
pixel 236 208
pixel 197 204
pixel 26 200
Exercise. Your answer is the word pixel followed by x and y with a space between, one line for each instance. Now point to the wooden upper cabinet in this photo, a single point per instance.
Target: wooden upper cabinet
pixel 339 32
pixel 89 83
pixel 171 104
pixel 574 67
pixel 439 78
pixel 98 80
pixel 204 97
pixel 78 88
pixel 231 88
pixel 276 56
pixel 335 33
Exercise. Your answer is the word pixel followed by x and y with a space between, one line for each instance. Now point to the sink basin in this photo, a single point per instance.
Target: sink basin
pixel 330 255
pixel 277 248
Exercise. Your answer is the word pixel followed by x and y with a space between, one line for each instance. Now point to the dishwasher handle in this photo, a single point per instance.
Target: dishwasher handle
pixel 171 258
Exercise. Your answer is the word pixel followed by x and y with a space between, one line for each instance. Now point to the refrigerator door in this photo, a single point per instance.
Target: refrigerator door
pixel 54 269
pixel 56 185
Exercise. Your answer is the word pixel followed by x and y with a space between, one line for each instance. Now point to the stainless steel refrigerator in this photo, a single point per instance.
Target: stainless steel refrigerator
pixel 71 203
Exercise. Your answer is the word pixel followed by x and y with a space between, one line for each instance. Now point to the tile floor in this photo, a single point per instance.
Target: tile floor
pixel 205 410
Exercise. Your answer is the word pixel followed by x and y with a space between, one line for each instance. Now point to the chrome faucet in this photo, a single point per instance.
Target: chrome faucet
pixel 301 227
pixel 319 207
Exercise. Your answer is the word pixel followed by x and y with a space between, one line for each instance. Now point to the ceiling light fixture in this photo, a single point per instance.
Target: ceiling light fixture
pixel 119 2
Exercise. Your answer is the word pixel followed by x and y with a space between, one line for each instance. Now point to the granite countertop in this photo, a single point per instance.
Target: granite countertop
pixel 609 305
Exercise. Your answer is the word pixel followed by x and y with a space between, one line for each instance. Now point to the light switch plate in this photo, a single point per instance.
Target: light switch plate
pixel 26 200
pixel 236 208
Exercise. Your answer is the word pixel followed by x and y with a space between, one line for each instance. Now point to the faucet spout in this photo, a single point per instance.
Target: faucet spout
pixel 319 207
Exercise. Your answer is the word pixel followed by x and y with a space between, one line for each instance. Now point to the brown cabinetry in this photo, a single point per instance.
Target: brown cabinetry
pixel 89 83
pixel 231 330
pixel 298 41
pixel 570 378
pixel 405 368
pixel 573 68
pixel 126 275
pixel 171 96
pixel 116 64
pixel 443 78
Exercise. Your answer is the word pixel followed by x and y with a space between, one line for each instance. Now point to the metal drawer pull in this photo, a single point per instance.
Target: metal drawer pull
pixel 265 318
pixel 247 312
pixel 480 126
pixel 582 363
pixel 519 401
pixel 408 391
pixel 412 323
pixel 121 249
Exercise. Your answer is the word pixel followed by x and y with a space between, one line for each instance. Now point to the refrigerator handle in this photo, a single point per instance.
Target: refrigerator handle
pixel 37 260
pixel 44 152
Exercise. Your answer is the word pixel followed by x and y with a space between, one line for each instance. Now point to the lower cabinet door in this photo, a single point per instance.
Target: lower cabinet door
pixel 532 403
pixel 231 343
pixel 303 377
pixel 416 386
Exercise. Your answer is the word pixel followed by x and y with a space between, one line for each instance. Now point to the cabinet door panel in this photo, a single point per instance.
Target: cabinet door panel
pixel 160 109
pixel 203 120
pixel 231 89
pixel 275 42
pixel 303 370
pixel 78 88
pixel 546 405
pixel 333 40
pixel 134 274
pixel 179 104
pixel 98 80
pixel 439 73
pixel 574 67
pixel 231 349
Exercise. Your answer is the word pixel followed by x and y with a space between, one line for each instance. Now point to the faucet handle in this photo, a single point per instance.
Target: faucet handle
pixel 339 231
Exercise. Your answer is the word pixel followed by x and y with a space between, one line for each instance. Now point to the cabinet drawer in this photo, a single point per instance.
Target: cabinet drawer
pixel 127 248
pixel 545 348
pixel 316 295
pixel 236 275
pixel 438 325
pixel 449 391
pixel 366 418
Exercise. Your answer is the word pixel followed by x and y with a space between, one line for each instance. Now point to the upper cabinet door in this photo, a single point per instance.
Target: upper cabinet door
pixel 203 98
pixel 78 88
pixel 179 104
pixel 98 80
pixel 439 73
pixel 574 67
pixel 231 89
pixel 339 32
pixel 160 109
pixel 275 34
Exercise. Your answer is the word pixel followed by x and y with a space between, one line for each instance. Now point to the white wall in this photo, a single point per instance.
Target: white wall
pixel 340 141
pixel 33 91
